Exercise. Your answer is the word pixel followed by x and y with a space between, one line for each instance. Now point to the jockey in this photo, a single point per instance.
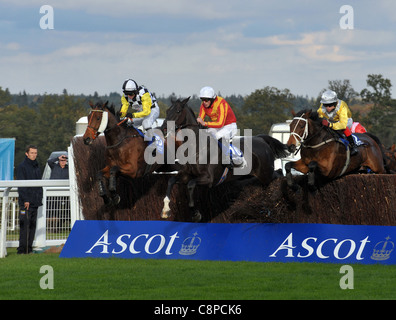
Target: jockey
pixel 223 120
pixel 337 116
pixel 142 102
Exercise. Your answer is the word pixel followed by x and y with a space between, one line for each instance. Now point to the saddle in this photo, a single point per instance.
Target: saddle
pixel 343 139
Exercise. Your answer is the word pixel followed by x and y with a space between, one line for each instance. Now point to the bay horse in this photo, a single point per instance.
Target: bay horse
pixel 260 152
pixel 324 154
pixel 125 148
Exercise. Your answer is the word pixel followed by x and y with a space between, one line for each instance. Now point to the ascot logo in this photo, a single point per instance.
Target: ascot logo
pixel 135 245
pixel 311 246
pixel 145 243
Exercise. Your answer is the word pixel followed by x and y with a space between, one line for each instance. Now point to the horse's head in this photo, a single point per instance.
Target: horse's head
pixel 180 113
pixel 97 121
pixel 298 129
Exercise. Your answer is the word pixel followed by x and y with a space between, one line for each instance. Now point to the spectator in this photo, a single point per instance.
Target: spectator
pixel 59 167
pixel 30 199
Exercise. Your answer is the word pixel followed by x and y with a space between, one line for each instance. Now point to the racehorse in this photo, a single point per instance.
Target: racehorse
pixel 324 154
pixel 209 171
pixel 125 147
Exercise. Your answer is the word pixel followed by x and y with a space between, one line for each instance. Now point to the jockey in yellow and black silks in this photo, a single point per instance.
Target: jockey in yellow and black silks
pixel 337 116
pixel 142 102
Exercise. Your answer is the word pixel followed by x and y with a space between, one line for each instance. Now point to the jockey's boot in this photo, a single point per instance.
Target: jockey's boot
pixel 352 145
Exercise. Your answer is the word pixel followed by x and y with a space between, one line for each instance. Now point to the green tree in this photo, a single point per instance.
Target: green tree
pixel 5 97
pixel 343 88
pixel 382 116
pixel 56 123
pixel 264 107
pixel 379 91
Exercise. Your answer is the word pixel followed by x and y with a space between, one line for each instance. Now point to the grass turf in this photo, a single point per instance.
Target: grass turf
pixel 114 278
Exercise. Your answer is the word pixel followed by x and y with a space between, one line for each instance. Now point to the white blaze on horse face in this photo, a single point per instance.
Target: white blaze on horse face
pixel 103 123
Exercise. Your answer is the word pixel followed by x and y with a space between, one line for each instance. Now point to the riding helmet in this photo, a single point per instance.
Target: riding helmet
pixel 130 87
pixel 329 97
pixel 207 92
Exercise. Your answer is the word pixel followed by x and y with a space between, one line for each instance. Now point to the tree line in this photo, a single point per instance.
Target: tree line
pixel 49 120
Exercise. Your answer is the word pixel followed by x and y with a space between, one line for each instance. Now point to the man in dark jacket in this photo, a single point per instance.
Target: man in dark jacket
pixel 30 198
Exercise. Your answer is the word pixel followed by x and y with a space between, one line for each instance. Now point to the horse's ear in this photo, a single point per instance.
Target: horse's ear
pixel 186 100
pixel 393 147
pixel 91 104
pixel 106 103
pixel 293 113
pixel 308 114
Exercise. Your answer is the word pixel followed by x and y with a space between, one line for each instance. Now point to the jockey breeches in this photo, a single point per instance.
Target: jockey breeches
pixel 227 132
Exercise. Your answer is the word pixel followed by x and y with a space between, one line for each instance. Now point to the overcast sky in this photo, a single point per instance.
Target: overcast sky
pixel 182 45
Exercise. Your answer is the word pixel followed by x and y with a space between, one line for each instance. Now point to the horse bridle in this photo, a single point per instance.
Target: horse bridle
pixel 103 128
pixel 296 136
pixel 300 139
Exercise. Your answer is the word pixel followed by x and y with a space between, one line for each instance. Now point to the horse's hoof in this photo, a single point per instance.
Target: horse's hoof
pixel 116 199
pixel 313 189
pixel 197 217
pixel 165 214
pixel 107 201
pixel 293 187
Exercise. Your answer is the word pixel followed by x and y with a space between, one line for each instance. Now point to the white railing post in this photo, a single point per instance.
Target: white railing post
pixel 3 232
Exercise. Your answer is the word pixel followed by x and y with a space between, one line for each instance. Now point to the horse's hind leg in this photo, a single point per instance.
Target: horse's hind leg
pixel 165 214
pixel 113 185
pixel 196 215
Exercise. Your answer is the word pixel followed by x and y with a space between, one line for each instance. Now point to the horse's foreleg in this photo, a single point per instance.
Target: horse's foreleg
pixel 289 176
pixel 113 185
pixel 297 165
pixel 165 214
pixel 196 215
pixel 311 174
pixel 102 185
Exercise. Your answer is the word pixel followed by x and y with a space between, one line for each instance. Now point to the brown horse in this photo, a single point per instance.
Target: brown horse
pixel 324 154
pixel 125 150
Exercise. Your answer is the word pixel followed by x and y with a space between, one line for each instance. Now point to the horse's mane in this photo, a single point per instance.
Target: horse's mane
pixel 313 116
pixel 180 101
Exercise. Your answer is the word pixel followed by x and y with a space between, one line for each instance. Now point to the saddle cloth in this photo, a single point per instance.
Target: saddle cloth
pixel 358 142
pixel 159 143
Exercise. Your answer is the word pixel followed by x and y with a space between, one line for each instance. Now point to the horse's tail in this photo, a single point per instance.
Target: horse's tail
pixel 278 148
pixel 382 148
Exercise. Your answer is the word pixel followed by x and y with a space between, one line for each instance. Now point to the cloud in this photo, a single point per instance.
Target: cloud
pixel 179 46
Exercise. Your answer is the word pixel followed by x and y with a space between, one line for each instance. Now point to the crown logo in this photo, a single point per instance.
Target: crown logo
pixel 190 245
pixel 382 250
